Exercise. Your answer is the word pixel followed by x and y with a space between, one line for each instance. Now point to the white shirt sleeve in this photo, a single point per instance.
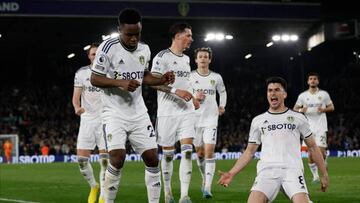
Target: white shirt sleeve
pixel 159 65
pixel 254 134
pixel 327 99
pixel 299 101
pixel 101 62
pixel 304 128
pixel 220 87
pixel 78 82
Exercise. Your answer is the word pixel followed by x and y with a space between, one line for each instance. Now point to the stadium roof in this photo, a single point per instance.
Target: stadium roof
pixel 39 38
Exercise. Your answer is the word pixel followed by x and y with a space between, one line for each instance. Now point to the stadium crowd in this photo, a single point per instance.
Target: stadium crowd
pixel 43 117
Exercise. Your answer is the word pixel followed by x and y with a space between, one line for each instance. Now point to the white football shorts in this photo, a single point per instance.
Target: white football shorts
pixel 140 133
pixel 205 135
pixel 270 180
pixel 170 129
pixel 90 135
pixel 321 139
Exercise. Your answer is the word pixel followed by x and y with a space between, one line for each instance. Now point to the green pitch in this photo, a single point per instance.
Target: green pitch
pixel 62 182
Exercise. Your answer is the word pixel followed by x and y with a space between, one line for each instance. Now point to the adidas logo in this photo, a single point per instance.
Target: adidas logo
pixel 121 62
pixel 208 174
pixel 174 63
pixel 188 173
pixel 156 184
pixel 196 82
pixel 87 79
pixel 266 121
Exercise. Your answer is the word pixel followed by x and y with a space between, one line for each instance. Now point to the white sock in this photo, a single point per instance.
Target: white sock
pixel 201 165
pixel 167 170
pixel 86 170
pixel 209 171
pixel 185 168
pixel 153 184
pixel 314 170
pixel 111 183
pixel 104 159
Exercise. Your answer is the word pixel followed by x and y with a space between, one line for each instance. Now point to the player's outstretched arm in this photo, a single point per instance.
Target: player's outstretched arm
pixel 319 161
pixel 244 159
pixel 152 80
pixel 103 81
pixel 186 95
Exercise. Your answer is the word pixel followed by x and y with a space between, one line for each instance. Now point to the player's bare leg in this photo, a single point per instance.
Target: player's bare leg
pixel 185 169
pixel 83 156
pixel 257 197
pixel 167 171
pixel 152 175
pixel 113 174
pixel 300 198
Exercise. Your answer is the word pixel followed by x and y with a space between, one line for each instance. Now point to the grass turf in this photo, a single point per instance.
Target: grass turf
pixel 62 182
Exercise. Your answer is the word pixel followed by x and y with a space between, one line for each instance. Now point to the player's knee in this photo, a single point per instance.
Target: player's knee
pixel 104 158
pixel 83 162
pixel 186 150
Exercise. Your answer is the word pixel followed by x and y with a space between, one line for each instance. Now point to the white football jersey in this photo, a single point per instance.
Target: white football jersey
pixel 170 104
pixel 90 95
pixel 209 111
pixel 115 61
pixel 317 120
pixel 280 136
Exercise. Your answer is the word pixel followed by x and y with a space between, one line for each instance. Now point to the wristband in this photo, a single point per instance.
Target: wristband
pixel 173 90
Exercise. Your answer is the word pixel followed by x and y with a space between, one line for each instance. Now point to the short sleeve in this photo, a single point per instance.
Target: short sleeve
pixel 327 99
pixel 254 134
pixel 101 62
pixel 158 65
pixel 78 82
pixel 299 101
pixel 304 128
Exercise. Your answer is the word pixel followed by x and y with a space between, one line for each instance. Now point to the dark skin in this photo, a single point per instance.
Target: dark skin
pixel 130 36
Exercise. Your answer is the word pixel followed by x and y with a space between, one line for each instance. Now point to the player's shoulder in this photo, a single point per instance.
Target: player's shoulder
pixel 303 93
pixel 259 117
pixel 321 91
pixel 297 114
pixel 143 46
pixel 163 53
pixel 107 45
pixel 83 69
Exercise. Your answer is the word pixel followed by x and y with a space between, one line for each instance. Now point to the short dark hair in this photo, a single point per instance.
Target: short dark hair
pixel 313 74
pixel 204 49
pixel 277 79
pixel 92 45
pixel 129 16
pixel 178 28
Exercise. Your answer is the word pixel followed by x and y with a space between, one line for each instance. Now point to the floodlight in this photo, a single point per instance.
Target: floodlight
pixel 294 37
pixel 276 38
pixel 269 44
pixel 285 37
pixel 86 47
pixel 248 56
pixel 70 55
pixel 229 37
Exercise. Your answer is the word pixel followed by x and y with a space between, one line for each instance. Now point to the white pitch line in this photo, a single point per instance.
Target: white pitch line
pixel 15 200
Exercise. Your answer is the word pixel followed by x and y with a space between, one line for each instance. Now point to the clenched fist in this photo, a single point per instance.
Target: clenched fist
pixel 168 78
